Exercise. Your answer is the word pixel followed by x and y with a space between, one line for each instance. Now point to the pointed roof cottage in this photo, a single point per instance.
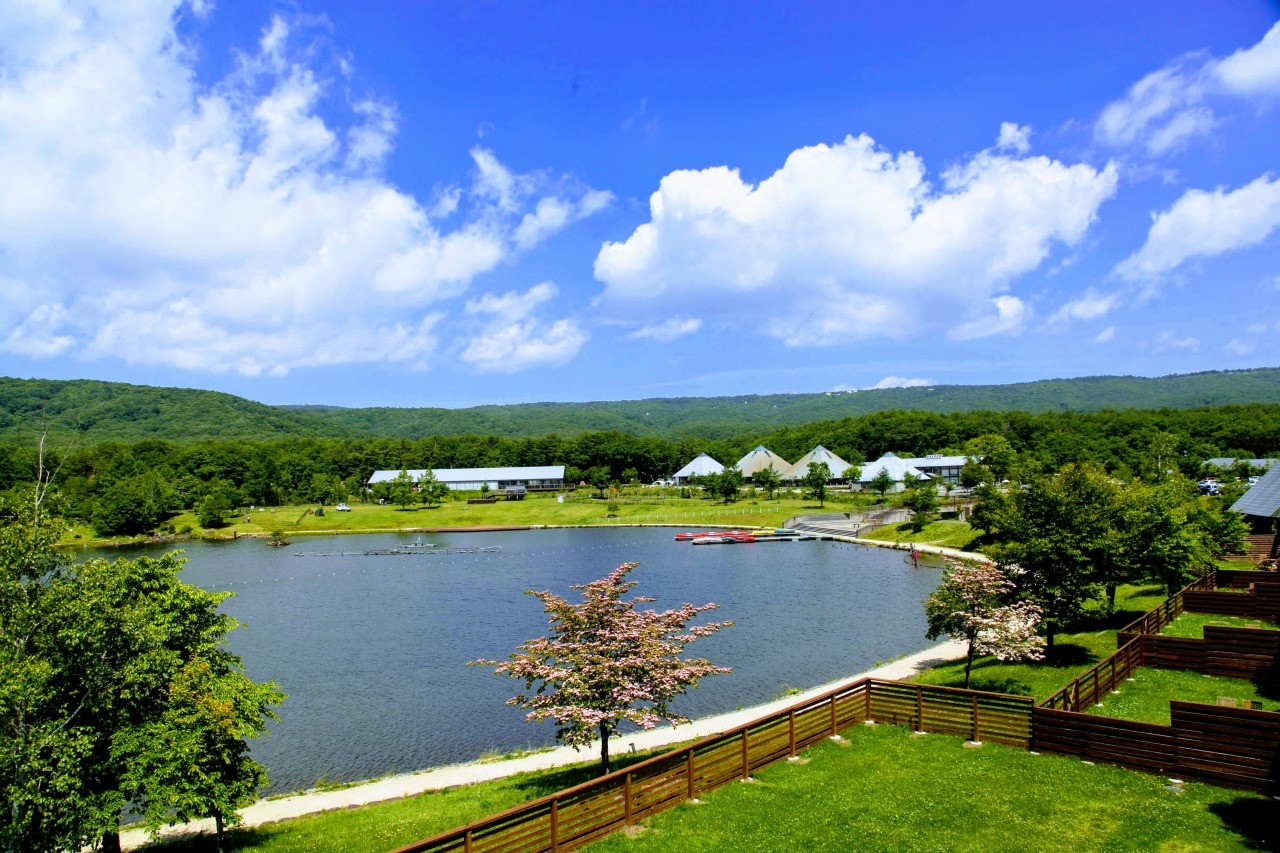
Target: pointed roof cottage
pixel 699 467
pixel 897 468
pixel 759 459
pixel 819 454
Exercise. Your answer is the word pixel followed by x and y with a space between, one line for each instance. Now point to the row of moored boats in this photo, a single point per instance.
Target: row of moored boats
pixel 733 537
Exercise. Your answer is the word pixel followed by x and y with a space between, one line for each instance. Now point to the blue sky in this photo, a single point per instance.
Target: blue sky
pixel 464 203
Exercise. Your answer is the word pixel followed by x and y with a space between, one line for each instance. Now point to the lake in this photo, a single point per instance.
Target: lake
pixel 372 650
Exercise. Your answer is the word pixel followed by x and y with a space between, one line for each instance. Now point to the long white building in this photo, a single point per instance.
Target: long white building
pixel 467 479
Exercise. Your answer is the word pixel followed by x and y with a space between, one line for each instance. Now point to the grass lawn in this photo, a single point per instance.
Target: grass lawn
pixel 948 534
pixel 887 790
pixel 383 826
pixel 1074 652
pixel 1192 624
pixel 537 509
pixel 1146 698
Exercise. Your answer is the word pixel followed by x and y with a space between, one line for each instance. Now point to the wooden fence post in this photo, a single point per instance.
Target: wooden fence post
pixel 919 708
pixel 746 765
pixel 976 727
pixel 626 798
pixel 555 829
pixel 688 769
pixel 833 715
pixel 791 731
pixel 466 842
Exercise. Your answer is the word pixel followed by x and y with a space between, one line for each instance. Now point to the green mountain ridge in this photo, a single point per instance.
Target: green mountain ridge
pixel 102 411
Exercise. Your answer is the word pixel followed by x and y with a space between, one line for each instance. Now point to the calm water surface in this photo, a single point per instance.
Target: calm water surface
pixel 372 649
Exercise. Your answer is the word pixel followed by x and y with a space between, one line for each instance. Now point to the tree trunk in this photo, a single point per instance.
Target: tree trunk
pixel 219 827
pixel 1111 598
pixel 604 749
pixel 968 665
pixel 111 842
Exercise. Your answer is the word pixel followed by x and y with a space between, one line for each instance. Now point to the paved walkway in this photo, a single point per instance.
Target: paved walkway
pixel 409 784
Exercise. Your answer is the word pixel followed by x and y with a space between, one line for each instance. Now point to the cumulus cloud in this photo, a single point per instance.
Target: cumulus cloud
pixel 851 241
pixel 513 339
pixel 1014 137
pixel 900 382
pixel 667 330
pixel 1105 336
pixel 1168 340
pixel 1090 305
pixel 1204 224
pixel 240 226
pixel 1240 346
pixel 1169 107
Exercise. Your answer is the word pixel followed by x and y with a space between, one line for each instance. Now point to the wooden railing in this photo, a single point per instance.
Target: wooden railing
pixel 1087 690
pixel 576 816
pixel 1171 608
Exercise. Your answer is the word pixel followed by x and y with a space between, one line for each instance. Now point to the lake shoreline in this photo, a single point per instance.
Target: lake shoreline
pixel 402 785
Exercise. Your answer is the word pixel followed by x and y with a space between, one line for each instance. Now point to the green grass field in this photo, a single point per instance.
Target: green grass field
pixel 1192 624
pixel 536 510
pixel 887 790
pixel 948 534
pixel 1074 652
pixel 1146 698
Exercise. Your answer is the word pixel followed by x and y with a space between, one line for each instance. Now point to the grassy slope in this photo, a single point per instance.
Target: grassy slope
pixel 887 790
pixel 1146 697
pixel 948 534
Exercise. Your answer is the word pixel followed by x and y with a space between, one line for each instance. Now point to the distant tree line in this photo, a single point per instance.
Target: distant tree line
pixel 131 487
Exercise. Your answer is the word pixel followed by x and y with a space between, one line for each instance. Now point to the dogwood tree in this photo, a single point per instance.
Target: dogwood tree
pixel 604 661
pixel 972 604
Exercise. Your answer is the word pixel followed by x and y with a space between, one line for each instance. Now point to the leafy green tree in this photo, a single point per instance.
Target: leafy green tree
pixel 598 478
pixel 882 482
pixel 400 490
pixel 989 509
pixel 630 476
pixel 1061 531
pixel 605 661
pixel 91 656
pixel 728 483
pixel 211 509
pixel 972 473
pixel 430 490
pixel 1161 540
pixel 129 506
pixel 922 500
pixel 768 479
pixel 995 453
pixel 816 479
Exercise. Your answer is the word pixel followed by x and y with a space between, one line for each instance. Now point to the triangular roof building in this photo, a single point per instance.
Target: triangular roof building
pixel 699 467
pixel 898 469
pixel 759 459
pixel 819 454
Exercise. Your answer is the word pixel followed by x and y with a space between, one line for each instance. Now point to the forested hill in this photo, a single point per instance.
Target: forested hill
pixel 105 410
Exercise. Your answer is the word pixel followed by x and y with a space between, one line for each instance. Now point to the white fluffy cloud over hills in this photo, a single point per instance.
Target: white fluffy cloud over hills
pixel 229 227
pixel 850 241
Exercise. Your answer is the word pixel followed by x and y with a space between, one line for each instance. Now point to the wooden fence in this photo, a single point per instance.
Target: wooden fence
pixel 1168 610
pixel 1232 747
pixel 576 816
pixel 1087 690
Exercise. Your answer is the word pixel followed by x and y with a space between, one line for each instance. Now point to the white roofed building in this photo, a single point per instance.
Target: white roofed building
pixel 544 477
pixel 939 467
pixel 699 467
pixel 759 459
pixel 820 455
pixel 898 470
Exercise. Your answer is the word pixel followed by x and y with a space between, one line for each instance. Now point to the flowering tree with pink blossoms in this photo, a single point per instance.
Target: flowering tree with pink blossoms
pixel 973 603
pixel 604 661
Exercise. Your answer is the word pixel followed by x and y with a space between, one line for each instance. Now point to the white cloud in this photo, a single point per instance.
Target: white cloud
pixel 1169 107
pixel 849 241
pixel 900 382
pixel 1204 224
pixel 1090 305
pixel 1168 341
pixel 667 330
pixel 1010 315
pixel 513 339
pixel 1105 336
pixel 241 226
pixel 1014 137
pixel 1239 346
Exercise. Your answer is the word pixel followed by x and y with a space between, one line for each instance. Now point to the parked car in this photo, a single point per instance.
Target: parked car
pixel 1209 487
